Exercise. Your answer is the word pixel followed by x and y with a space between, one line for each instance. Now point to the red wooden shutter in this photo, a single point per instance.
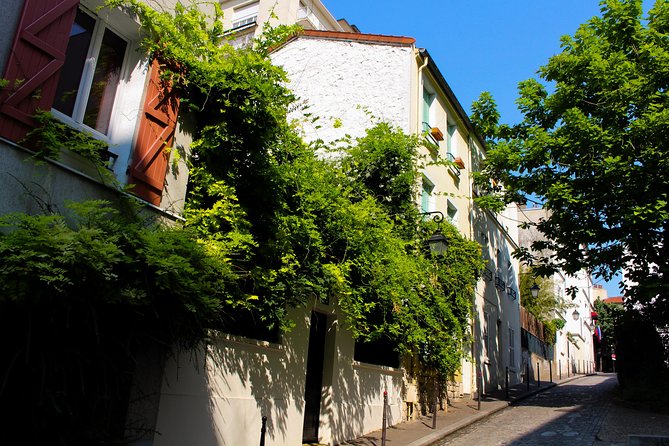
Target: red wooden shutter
pixel 156 133
pixel 38 53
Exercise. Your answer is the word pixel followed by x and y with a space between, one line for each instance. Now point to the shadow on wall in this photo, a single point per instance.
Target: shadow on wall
pixel 250 380
pixel 355 399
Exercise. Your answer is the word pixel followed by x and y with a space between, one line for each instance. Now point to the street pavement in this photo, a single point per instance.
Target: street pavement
pixel 577 411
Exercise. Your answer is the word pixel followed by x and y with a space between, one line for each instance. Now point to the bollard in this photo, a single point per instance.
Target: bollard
pixel 550 370
pixel 560 369
pixel 263 429
pixel 385 420
pixel 506 383
pixel 527 376
pixel 436 399
pixel 538 375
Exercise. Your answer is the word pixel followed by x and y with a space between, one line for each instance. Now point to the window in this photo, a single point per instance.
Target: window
pixel 450 138
pixel 307 13
pixel 452 213
pixel 90 77
pixel 427 198
pixel 245 15
pixel 428 99
pixel 486 334
pixel 379 352
pixel 512 347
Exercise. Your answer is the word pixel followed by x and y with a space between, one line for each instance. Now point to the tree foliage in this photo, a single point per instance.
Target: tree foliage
pixel 269 226
pixel 592 147
pixel 80 295
pixel 546 307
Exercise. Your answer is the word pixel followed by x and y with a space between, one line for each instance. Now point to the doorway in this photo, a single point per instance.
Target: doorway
pixel 314 379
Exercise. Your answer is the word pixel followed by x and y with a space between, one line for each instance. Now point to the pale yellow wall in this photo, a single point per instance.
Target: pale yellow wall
pixel 448 185
pixel 279 12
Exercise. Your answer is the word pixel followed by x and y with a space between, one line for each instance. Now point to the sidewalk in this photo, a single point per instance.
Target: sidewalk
pixel 459 415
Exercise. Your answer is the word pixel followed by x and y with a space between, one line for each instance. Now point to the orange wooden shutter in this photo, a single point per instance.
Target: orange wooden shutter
pixel 156 133
pixel 38 53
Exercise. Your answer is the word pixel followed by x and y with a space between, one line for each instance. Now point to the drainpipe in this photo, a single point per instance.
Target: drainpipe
pixel 420 90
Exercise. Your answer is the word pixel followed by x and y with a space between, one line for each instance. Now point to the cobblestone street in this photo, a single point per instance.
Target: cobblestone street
pixel 574 414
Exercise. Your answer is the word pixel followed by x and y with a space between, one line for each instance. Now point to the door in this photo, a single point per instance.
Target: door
pixel 314 379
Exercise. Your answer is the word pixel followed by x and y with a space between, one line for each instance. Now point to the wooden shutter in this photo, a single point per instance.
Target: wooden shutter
pixel 37 54
pixel 156 133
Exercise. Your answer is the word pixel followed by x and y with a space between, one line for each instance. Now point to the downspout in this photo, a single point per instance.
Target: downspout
pixel 420 91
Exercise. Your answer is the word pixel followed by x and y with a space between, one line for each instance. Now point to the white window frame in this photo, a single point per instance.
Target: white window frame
pixel 86 82
pixel 129 96
pixel 245 14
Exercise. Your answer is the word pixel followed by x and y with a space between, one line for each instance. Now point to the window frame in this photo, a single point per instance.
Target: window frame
pixel 247 19
pixel 453 219
pixel 512 348
pixel 451 132
pixel 427 200
pixel 86 82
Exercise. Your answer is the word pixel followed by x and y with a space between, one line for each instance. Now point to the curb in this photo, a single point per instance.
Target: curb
pixel 440 434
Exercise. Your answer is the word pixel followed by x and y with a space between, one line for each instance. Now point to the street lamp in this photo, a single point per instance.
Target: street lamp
pixel 534 290
pixel 437 241
pixel 575 315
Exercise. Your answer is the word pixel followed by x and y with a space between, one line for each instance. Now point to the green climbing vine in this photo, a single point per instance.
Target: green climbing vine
pixel 269 226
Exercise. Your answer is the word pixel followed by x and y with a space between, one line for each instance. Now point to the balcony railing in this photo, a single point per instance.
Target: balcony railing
pixel 453 168
pixel 487 274
pixel 500 284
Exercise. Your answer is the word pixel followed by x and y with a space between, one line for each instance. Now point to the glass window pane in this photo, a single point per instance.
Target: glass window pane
pixel 75 59
pixel 105 82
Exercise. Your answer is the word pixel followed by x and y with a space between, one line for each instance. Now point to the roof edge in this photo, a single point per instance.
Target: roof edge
pixel 434 69
pixel 351 37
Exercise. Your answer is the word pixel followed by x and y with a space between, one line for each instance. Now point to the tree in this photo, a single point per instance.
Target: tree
pixel 592 146
pixel 546 307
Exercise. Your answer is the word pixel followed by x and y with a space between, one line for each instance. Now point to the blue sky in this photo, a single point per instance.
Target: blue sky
pixel 478 45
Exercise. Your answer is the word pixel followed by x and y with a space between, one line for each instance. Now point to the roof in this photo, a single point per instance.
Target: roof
pixel 451 96
pixel 399 41
pixel 353 36
pixel 614 300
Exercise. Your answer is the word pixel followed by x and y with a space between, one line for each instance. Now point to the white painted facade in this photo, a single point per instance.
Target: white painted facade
pixel 71 177
pixel 246 19
pixel 574 349
pixel 345 84
pixel 220 398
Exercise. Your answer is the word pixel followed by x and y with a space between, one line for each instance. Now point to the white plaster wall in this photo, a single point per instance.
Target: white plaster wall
pixel 347 85
pixel 28 186
pixel 353 405
pixel 220 399
pixel 582 302
pixel 504 309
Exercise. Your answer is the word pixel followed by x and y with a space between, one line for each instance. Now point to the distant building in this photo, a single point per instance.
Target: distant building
pixel 246 19
pixel 350 81
pixel 574 347
pixel 599 292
